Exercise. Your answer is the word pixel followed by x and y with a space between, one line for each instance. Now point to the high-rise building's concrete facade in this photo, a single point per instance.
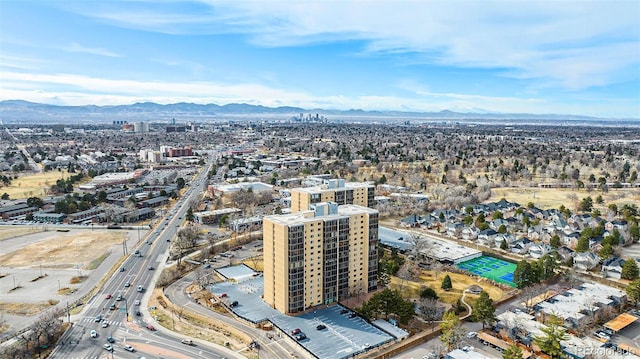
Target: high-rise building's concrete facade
pixel 335 190
pixel 319 256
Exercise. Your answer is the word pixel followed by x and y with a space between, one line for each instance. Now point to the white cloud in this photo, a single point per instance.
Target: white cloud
pixel 75 47
pixel 561 43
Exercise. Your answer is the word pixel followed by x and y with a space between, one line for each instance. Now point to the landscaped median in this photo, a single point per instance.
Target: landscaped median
pixel 182 320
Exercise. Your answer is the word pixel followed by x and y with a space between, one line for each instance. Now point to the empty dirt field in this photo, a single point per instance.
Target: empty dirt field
pixel 63 250
pixel 547 198
pixel 33 185
pixel 7 232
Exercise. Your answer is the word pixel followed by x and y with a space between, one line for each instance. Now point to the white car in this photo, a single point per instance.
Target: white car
pixel 471 335
pixel 108 347
pixel 129 348
pixel 94 334
pixel 137 302
pixel 105 324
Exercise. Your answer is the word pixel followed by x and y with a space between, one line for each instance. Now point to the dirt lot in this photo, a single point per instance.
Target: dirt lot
pixel 33 185
pixel 64 250
pixel 7 232
pixel 546 198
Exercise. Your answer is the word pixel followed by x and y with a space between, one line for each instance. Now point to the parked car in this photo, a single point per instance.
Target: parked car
pixel 234 303
pixel 300 336
pixel 321 327
pixel 471 335
pixel 295 331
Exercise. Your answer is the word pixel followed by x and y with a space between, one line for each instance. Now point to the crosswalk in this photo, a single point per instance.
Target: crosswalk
pixel 110 322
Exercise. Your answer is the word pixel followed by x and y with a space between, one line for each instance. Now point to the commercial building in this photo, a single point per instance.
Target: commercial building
pixel 319 256
pixel 334 190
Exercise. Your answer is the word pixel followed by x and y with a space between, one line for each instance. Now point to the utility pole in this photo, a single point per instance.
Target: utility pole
pixel 68 314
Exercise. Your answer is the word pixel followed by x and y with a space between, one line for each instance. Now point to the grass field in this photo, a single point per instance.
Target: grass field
pixel 547 198
pixel 460 282
pixel 34 185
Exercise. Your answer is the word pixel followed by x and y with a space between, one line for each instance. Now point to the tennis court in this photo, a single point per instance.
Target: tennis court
pixel 492 268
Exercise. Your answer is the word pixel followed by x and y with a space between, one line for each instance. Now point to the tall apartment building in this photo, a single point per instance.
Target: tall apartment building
pixel 335 190
pixel 319 256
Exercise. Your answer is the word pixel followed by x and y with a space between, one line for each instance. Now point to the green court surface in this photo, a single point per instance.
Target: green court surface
pixel 492 268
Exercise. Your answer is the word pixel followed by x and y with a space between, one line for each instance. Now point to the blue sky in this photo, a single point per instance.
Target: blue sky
pixel 568 57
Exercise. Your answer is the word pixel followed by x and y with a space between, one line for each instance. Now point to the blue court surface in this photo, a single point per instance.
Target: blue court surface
pixel 343 337
pixel 492 268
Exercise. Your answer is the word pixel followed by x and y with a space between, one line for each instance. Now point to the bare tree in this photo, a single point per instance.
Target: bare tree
pixel 430 310
pixel 187 239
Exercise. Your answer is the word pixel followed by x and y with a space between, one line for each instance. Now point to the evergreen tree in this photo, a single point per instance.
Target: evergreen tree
pixel 630 270
pixel 606 251
pixel 553 334
pixel 189 215
pixel 514 352
pixel 446 283
pixel 503 245
pixel 583 244
pixel 555 241
pixel 428 292
pixel 484 310
pixel 633 291
pixel 525 274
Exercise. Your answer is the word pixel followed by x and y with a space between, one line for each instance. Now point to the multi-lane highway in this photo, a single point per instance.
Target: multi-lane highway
pixel 117 313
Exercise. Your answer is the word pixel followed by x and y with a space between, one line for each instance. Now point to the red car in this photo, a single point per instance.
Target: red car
pixel 151 327
pixel 295 331
pixel 108 296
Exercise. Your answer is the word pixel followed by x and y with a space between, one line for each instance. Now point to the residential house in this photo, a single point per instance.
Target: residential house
pixel 469 233
pixel 487 236
pixel 585 260
pixel 570 239
pixel 521 246
pixel 538 250
pixel 507 237
pixel 455 229
pixel 612 267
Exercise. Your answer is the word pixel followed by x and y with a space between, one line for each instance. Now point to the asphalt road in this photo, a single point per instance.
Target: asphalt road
pixel 132 330
pixel 274 347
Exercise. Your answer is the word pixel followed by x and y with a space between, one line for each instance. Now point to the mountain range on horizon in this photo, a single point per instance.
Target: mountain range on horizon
pixel 19 111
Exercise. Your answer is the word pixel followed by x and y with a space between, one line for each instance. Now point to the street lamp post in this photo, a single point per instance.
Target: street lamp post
pixel 126 309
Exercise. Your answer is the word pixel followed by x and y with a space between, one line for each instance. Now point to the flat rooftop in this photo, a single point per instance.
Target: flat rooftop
pixel 395 239
pixel 573 302
pixel 445 250
pixel 326 187
pixel 308 216
pixel 343 336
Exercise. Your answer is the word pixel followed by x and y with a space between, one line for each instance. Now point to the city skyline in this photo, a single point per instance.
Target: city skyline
pixel 579 57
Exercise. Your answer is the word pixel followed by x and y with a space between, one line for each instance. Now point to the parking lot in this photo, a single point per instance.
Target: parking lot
pixel 344 333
